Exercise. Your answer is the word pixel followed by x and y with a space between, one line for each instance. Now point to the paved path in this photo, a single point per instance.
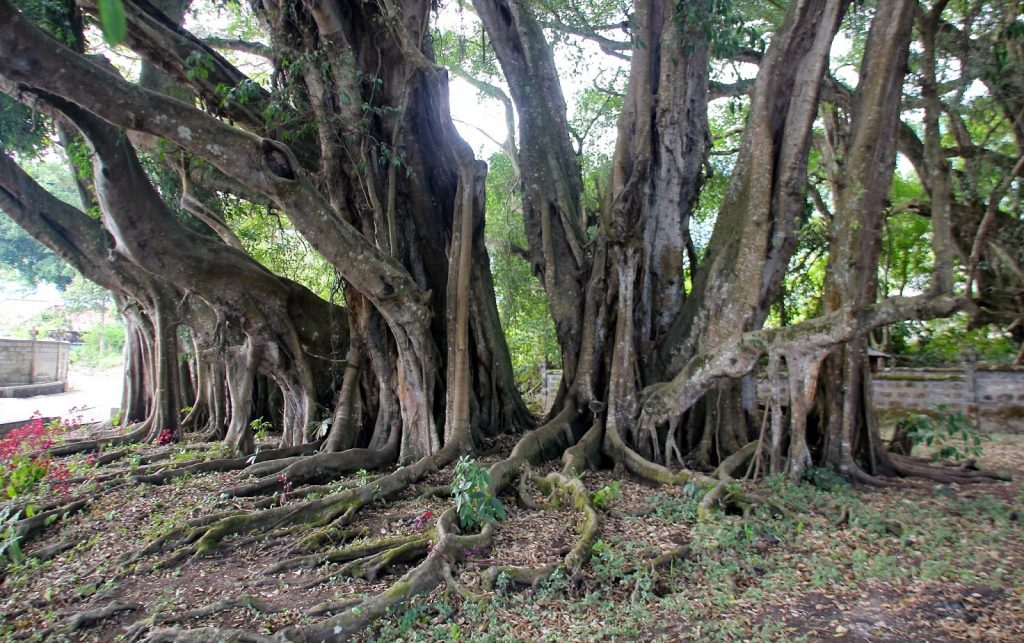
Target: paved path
pixel 94 393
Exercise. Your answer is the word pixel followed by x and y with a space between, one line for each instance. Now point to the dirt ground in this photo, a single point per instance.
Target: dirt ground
pixel 914 561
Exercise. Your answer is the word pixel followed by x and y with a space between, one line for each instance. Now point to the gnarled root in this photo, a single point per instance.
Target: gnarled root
pixel 138 434
pixel 91 617
pixel 365 560
pixel 318 468
pixel 913 467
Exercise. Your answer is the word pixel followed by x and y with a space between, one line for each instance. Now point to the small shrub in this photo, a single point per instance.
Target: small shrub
pixel 10 547
pixel 475 505
pixel 826 478
pixel 606 495
pixel 261 428
pixel 25 463
pixel 950 433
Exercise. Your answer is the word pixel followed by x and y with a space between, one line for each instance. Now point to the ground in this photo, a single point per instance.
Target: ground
pixel 918 561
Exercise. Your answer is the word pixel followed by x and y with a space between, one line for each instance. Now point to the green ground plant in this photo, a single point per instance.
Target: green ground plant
pixel 475 504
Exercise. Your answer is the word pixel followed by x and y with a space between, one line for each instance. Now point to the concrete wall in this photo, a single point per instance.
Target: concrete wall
pixel 26 361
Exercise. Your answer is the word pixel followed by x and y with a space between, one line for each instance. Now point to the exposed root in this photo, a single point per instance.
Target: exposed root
pixel 367 559
pixel 85 446
pixel 245 602
pixel 909 466
pixel 206 635
pixel 322 512
pixel 449 546
pixel 661 561
pixel 46 553
pixel 222 464
pixel 454 585
pixel 322 467
pixel 28 527
pixel 91 617
pixel 723 493
pixel 205 466
pixel 531 577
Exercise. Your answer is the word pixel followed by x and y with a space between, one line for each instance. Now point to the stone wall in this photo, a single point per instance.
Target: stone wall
pixel 25 361
pixel 995 397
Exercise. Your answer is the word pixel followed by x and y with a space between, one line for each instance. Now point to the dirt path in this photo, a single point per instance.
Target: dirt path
pixel 93 393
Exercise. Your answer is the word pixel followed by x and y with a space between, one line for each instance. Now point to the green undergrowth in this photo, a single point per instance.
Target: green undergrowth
pixel 739 568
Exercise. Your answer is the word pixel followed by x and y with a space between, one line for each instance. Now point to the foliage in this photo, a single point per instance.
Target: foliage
pixel 10 547
pixel 102 346
pixel 24 259
pixel 25 463
pixel 951 434
pixel 112 21
pixel 261 428
pixel 606 495
pixel 474 502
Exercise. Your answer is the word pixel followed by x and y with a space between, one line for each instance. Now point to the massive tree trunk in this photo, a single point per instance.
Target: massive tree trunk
pixel 553 216
pixel 753 239
pixel 381 213
pixel 865 146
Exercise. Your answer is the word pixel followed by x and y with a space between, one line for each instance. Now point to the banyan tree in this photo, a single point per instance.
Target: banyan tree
pixel 351 139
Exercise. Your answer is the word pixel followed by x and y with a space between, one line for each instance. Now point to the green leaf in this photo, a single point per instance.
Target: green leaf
pixel 112 21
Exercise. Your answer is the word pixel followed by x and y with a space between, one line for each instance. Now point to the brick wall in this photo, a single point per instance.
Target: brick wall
pixel 24 361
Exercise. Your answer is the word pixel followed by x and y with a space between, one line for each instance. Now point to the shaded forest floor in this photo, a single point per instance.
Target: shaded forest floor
pixel 919 561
